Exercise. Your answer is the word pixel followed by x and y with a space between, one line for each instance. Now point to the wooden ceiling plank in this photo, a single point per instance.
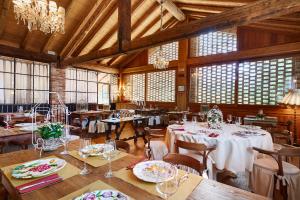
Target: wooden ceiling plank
pixel 202 8
pixel 4 5
pixel 170 6
pixel 222 3
pixel 251 13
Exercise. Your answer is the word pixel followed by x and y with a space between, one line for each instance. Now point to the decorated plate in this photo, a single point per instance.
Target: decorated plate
pixel 103 195
pixel 155 171
pixel 38 168
pixel 24 124
pixel 97 149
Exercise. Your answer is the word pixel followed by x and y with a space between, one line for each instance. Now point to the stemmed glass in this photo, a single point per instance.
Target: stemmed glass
pixel 108 153
pixel 229 118
pixel 7 119
pixel 184 118
pixel 202 116
pixel 84 153
pixel 65 138
pixel 238 121
pixel 169 187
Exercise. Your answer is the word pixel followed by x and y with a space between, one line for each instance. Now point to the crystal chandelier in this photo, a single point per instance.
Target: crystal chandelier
pixel 161 61
pixel 40 15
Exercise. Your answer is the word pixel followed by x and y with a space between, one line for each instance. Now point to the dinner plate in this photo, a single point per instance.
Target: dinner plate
pixel 24 124
pixel 29 128
pixel 103 195
pixel 38 168
pixel 97 149
pixel 155 171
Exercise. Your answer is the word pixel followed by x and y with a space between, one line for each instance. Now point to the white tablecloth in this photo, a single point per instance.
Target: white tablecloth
pixel 232 152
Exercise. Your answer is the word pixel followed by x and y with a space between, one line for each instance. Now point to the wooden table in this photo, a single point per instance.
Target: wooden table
pixel 266 121
pixel 7 135
pixel 91 113
pixel 206 190
pixel 120 124
pixel 20 117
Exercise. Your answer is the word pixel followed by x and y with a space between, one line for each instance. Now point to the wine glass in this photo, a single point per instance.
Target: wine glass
pixel 168 187
pixel 184 118
pixel 238 121
pixel 65 138
pixel 7 119
pixel 194 119
pixel 84 153
pixel 108 153
pixel 229 118
pixel 202 116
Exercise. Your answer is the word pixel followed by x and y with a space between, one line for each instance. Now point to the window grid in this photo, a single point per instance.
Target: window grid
pixel 170 52
pixel 135 87
pixel 264 82
pixel 213 43
pixel 213 84
pixel 161 86
pixel 23 81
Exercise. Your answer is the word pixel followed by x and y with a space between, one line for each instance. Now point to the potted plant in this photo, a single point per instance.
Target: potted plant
pixel 51 133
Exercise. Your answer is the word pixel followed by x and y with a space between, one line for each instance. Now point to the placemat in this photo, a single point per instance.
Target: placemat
pixel 96 161
pixel 183 191
pixel 66 172
pixel 97 185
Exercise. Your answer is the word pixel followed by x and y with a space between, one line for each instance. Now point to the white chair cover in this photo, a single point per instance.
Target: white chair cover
pixel 100 127
pixel 263 176
pixel 92 127
pixel 158 150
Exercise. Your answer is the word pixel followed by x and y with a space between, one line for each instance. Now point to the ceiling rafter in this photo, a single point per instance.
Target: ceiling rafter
pixel 110 6
pixel 85 26
pixel 223 3
pixel 170 6
pixel 4 6
pixel 201 8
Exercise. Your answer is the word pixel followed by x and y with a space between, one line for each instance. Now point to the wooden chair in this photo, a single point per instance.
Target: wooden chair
pixel 2 144
pixel 200 149
pixel 22 142
pixel 278 170
pixel 184 160
pixel 154 139
pixel 120 144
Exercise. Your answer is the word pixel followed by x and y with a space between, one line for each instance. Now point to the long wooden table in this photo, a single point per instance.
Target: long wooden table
pixel 91 113
pixel 6 135
pixel 207 189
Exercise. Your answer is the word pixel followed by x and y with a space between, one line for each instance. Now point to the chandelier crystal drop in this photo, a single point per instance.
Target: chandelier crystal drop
pixel 161 61
pixel 40 15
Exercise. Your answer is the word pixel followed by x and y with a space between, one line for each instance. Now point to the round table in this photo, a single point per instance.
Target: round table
pixel 232 152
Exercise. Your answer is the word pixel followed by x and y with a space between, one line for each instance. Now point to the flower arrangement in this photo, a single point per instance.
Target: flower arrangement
pixel 51 130
pixel 214 118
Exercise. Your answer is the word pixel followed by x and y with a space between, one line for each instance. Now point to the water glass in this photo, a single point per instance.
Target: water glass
pixel 65 138
pixel 167 188
pixel 108 153
pixel 84 153
pixel 184 118
pixel 7 119
pixel 229 118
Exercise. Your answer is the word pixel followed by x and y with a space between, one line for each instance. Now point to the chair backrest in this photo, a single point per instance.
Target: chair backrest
pixel 288 153
pixel 184 160
pixel 202 149
pixel 123 145
pixel 150 134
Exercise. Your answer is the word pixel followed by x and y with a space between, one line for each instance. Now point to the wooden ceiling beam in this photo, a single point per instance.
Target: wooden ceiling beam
pixel 124 23
pixel 251 13
pixel 28 55
pixel 170 6
pixel 202 8
pixel 222 3
pixel 4 5
pixel 100 68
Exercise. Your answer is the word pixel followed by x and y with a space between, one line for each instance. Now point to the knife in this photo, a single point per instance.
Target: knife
pixel 39 183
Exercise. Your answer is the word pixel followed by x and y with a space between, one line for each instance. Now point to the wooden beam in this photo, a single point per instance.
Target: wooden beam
pixel 172 64
pixel 226 3
pixel 98 68
pixel 277 50
pixel 170 6
pixel 244 15
pixel 4 5
pixel 23 54
pixel 202 8
pixel 124 23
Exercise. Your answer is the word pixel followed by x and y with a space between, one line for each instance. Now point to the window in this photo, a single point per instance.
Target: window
pixel 170 51
pixel 134 89
pixel 161 86
pixel 89 86
pixel 23 81
pixel 213 84
pixel 213 43
pixel 264 82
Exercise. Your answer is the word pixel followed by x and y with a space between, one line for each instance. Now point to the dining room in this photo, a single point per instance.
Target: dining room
pixel 149 99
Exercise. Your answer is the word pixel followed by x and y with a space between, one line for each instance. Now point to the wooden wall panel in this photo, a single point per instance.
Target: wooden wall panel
pixel 140 60
pixel 251 38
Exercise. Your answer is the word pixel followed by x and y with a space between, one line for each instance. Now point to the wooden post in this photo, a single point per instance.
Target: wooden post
pixel 124 22
pixel 182 82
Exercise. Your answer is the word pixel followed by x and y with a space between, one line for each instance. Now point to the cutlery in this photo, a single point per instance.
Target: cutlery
pixel 39 183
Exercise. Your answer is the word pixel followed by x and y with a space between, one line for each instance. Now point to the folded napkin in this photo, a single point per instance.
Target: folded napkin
pixel 213 135
pixel 38 184
pixel 8 127
pixel 133 164
pixel 178 129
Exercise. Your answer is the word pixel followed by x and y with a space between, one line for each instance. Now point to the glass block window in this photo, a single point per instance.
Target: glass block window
pixel 84 86
pixel 170 51
pixel 161 86
pixel 213 84
pixel 23 81
pixel 213 43
pixel 134 87
pixel 264 82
